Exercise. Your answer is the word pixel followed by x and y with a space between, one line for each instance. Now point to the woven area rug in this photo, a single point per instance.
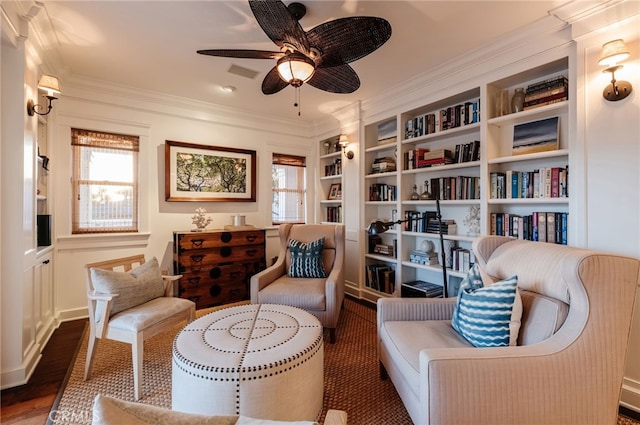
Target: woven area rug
pixel 351 381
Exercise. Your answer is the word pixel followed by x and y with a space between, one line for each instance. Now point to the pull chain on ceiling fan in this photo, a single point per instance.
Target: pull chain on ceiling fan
pixel 319 56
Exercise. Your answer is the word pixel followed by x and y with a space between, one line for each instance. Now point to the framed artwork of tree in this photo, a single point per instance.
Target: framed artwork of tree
pixel 202 173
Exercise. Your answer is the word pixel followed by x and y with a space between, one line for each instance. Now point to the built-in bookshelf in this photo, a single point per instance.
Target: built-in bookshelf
pixel 453 149
pixel 330 187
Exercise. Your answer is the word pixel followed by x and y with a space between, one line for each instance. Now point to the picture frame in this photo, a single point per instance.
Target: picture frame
pixel 204 173
pixel 536 136
pixel 335 192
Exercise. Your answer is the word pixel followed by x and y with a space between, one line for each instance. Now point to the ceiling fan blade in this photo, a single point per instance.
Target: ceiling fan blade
pixel 279 24
pixel 239 53
pixel 345 40
pixel 272 82
pixel 337 79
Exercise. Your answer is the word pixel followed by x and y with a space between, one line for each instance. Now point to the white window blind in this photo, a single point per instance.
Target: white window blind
pixel 105 182
pixel 289 189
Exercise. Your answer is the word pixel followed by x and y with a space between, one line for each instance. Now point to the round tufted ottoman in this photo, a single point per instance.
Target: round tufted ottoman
pixel 258 360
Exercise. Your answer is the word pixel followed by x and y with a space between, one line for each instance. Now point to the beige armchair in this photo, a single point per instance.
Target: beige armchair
pixel 569 362
pixel 322 297
pixel 129 301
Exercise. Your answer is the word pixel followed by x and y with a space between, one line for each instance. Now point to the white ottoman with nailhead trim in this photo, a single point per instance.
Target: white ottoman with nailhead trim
pixel 259 360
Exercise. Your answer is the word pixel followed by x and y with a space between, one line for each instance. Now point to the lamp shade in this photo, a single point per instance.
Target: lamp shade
pixel 49 83
pixel 295 67
pixel 613 52
pixel 343 140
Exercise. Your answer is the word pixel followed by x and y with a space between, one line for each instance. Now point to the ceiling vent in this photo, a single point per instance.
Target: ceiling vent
pixel 243 72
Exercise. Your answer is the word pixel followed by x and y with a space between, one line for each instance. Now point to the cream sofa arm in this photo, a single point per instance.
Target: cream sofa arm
pixel 112 411
pixel 405 309
pixel 260 280
pixel 169 284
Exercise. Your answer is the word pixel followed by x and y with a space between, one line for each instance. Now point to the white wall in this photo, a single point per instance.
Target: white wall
pixel 156 119
pixel 609 133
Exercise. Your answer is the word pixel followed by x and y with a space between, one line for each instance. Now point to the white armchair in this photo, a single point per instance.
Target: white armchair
pixel 569 362
pixel 129 301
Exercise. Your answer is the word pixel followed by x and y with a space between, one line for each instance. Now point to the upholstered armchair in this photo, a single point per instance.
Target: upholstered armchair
pixel 296 282
pixel 130 301
pixel 567 366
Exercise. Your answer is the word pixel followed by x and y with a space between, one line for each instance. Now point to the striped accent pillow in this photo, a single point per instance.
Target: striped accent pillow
pixel 488 316
pixel 306 259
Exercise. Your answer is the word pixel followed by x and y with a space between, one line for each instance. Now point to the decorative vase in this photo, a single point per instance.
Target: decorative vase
pixel 414 196
pixel 517 101
pixel 425 195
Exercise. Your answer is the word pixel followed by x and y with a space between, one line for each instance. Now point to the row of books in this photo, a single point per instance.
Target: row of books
pixel 334 214
pixel 420 289
pixel 455 188
pixel 539 226
pixel 383 165
pixel 545 182
pixel 462 259
pixel 381 277
pixel 423 157
pixel 444 119
pixel 426 222
pixel 545 92
pixel 334 169
pixel 383 192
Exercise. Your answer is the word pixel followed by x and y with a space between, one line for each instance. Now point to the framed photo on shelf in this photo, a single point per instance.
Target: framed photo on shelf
pixel 335 192
pixel 536 136
pixel 203 173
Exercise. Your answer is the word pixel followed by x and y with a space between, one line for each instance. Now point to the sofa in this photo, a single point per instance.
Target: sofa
pixel 112 411
pixel 567 366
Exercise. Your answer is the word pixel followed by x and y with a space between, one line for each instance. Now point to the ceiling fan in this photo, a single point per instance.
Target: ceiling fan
pixel 319 56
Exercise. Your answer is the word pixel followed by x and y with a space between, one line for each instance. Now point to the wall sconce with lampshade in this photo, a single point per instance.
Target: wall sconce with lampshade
pixel 344 143
pixel 51 85
pixel 614 52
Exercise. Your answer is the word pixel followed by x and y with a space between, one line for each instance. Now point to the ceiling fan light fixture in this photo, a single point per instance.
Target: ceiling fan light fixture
pixel 296 68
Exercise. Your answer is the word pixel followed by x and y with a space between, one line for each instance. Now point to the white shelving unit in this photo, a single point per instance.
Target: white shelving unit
pixel 493 129
pixel 330 175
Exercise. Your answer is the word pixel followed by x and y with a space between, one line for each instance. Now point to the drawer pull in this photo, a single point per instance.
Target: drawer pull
pixel 197 243
pixel 197 258
pixel 251 238
pixel 193 280
pixel 252 252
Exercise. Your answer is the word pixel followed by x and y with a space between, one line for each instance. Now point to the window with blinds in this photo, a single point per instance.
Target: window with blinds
pixel 105 182
pixel 289 189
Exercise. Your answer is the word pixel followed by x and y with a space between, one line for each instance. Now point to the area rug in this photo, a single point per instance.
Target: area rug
pixel 351 381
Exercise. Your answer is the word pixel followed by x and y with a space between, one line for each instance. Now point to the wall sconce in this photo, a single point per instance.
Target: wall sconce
pixel 51 85
pixel 613 52
pixel 344 142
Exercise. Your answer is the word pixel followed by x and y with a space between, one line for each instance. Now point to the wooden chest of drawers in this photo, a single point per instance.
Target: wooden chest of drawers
pixel 216 265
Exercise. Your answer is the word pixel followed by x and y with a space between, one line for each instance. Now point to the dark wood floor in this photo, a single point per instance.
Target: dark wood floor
pixel 31 403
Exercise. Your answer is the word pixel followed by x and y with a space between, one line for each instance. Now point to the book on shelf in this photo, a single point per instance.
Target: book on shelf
pixel 380 277
pixel 383 165
pixel 444 119
pixel 423 257
pixel 420 289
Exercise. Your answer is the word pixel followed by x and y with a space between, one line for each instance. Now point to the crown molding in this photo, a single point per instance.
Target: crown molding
pixel 544 34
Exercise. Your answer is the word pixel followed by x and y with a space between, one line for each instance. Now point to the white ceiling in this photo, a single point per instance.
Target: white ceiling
pixel 152 45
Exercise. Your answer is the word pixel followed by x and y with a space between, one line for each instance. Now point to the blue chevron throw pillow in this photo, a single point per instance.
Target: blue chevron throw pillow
pixel 488 316
pixel 306 259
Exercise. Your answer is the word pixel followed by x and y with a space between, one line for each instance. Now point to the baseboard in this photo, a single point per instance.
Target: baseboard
pixel 21 375
pixel 72 314
pixel 630 397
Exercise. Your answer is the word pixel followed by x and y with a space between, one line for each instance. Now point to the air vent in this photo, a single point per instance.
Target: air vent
pixel 243 72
